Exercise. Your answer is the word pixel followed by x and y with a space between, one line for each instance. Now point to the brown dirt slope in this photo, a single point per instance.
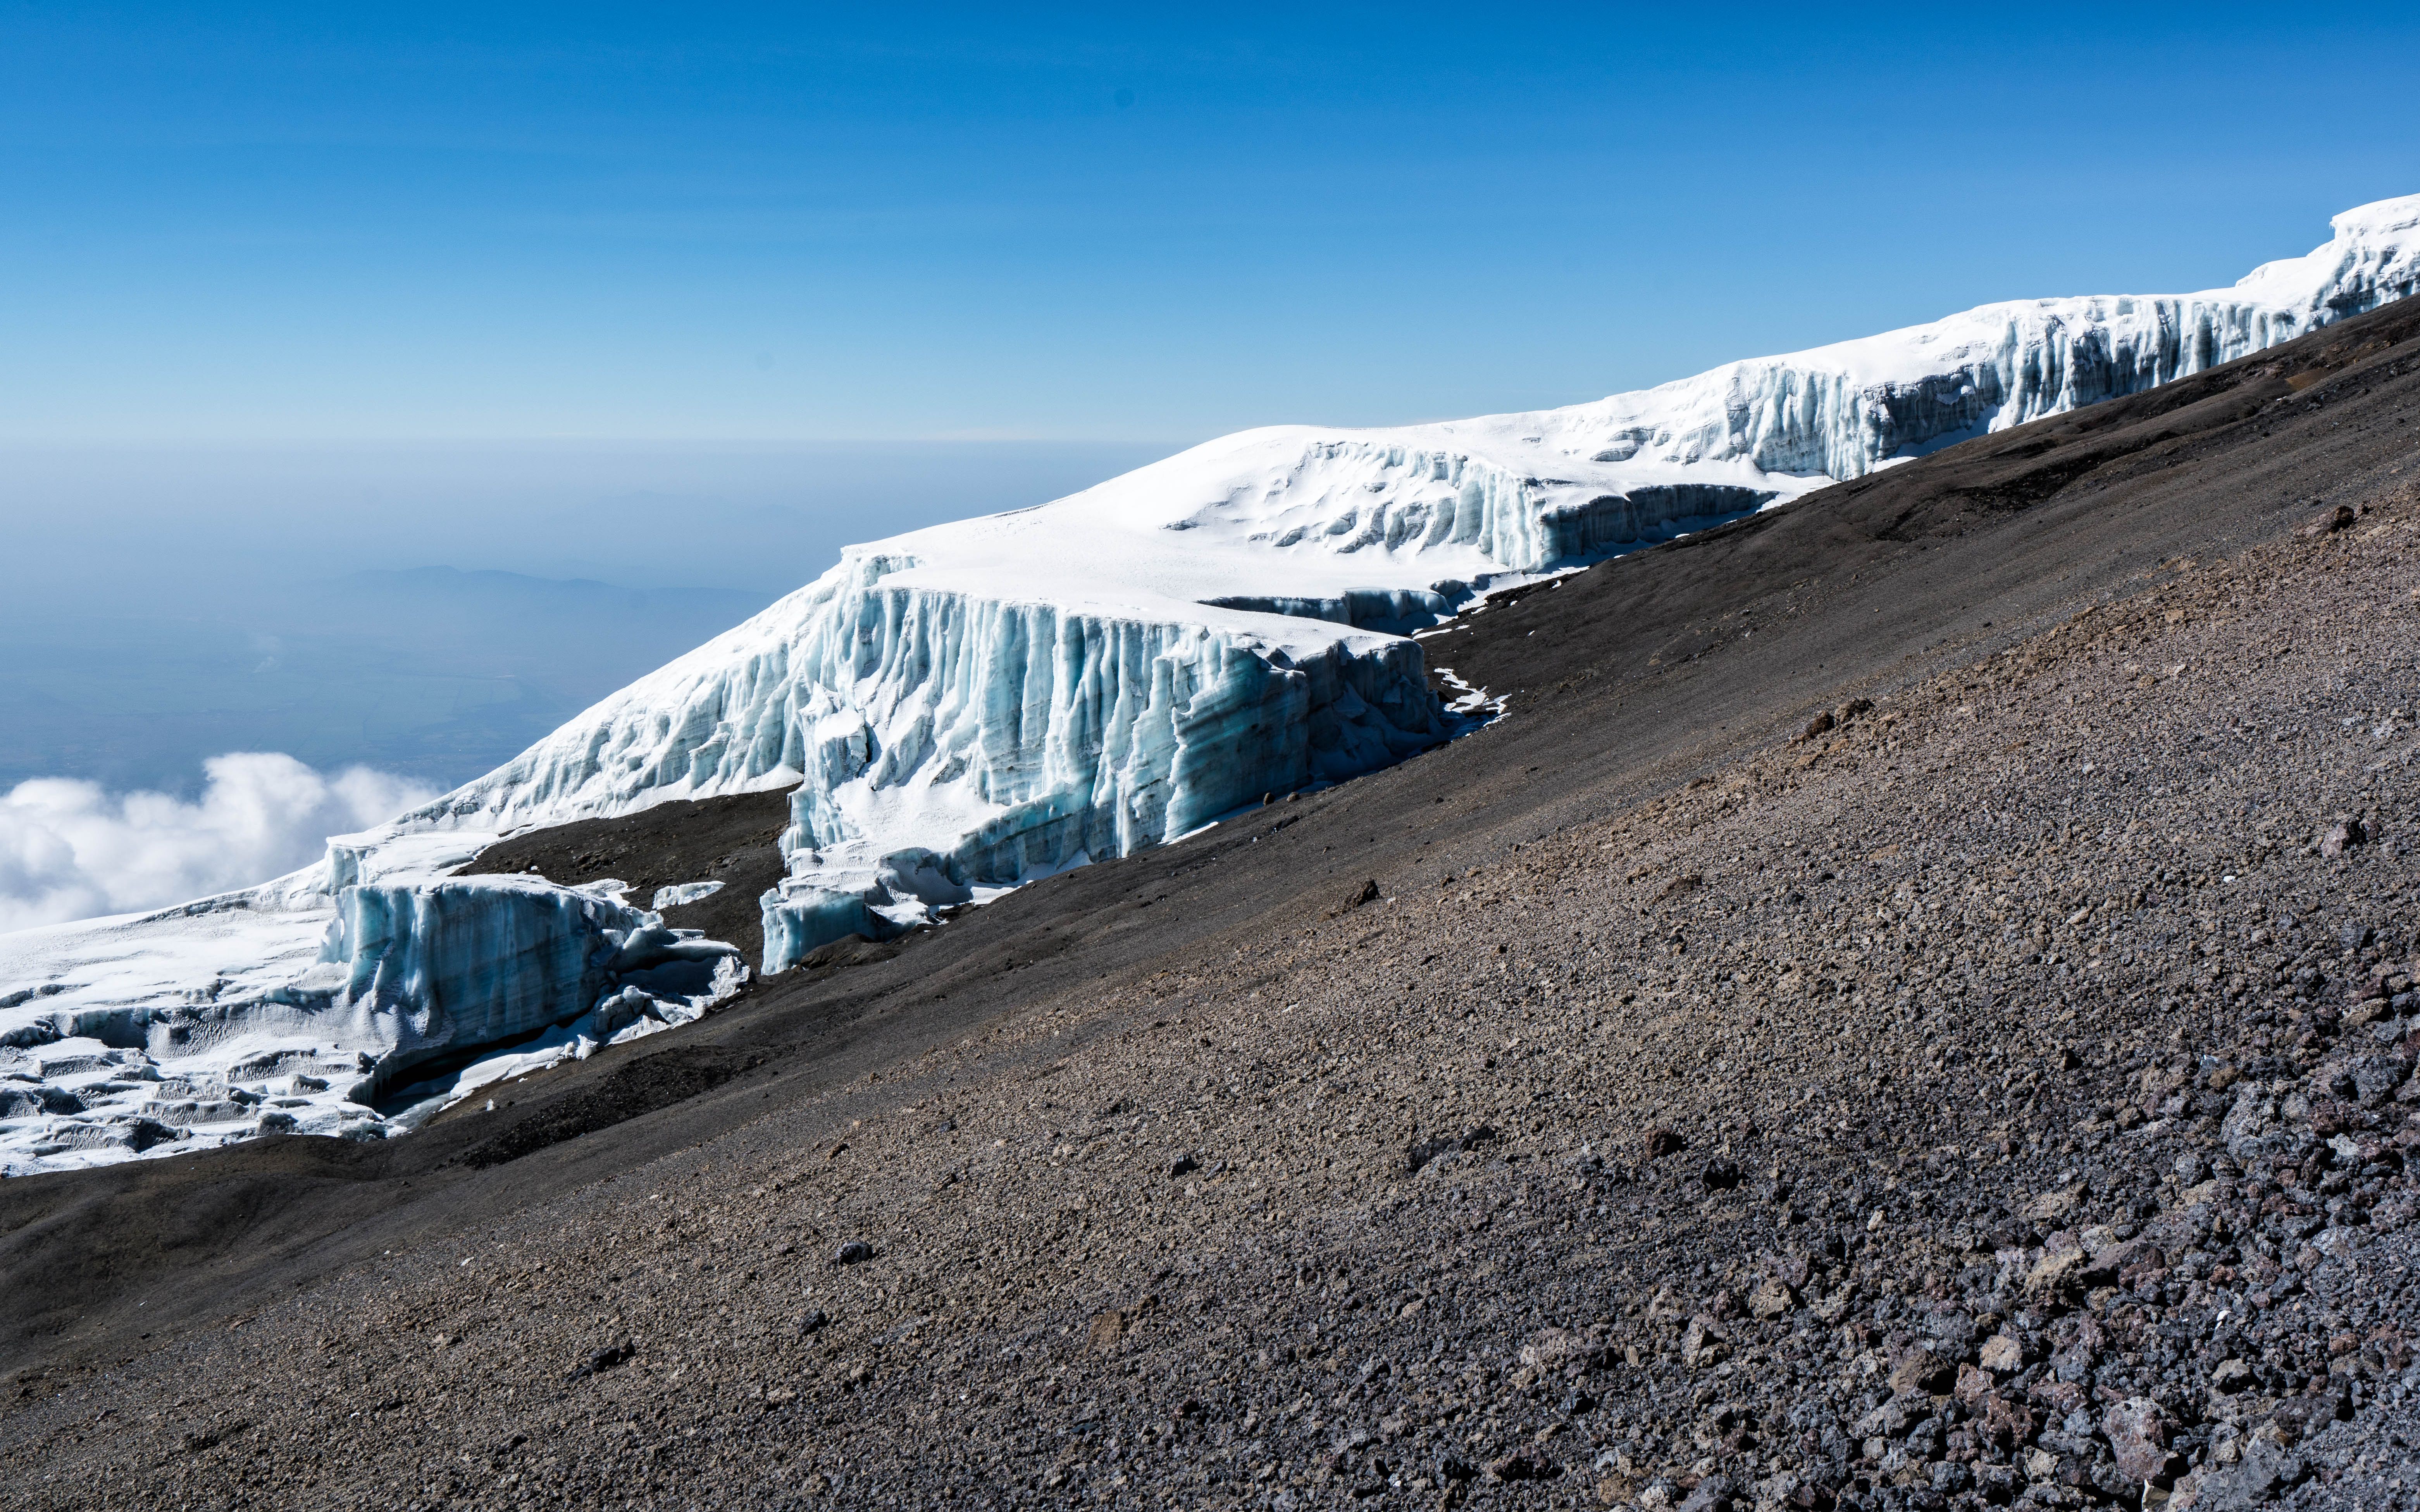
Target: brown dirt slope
pixel 730 840
pixel 1174 1184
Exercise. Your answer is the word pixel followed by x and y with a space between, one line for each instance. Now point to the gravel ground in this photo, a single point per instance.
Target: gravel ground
pixel 730 840
pixel 1995 1094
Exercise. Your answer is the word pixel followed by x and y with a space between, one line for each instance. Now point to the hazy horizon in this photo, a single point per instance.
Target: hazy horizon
pixel 378 622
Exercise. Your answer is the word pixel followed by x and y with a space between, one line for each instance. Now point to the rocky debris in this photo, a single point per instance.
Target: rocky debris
pixel 853 1252
pixel 1424 1152
pixel 1366 893
pixel 2343 836
pixel 849 951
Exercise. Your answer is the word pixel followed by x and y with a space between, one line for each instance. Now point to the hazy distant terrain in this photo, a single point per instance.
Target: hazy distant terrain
pixel 170 605
pixel 432 672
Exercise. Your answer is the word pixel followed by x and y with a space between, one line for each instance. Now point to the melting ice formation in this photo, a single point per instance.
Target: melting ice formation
pixel 304 1005
pixel 969 706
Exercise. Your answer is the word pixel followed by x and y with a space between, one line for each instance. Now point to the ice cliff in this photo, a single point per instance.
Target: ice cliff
pixel 294 1007
pixel 972 703
pixel 967 706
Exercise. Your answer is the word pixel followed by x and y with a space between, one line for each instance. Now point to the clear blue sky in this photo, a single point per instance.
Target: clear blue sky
pixel 232 223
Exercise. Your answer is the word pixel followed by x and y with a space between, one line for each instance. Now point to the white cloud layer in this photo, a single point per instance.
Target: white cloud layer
pixel 69 850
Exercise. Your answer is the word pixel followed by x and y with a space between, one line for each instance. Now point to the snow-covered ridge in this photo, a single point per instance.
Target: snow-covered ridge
pixel 969 705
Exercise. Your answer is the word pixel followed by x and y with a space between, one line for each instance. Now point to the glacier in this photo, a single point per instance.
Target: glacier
pixel 295 1007
pixel 961 709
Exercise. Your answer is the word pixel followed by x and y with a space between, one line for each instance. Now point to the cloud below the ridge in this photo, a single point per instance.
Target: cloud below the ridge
pixel 71 850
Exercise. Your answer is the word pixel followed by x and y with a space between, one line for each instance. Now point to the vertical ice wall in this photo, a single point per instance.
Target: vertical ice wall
pixel 1002 736
pixel 414 971
pixel 1839 411
pixel 294 1007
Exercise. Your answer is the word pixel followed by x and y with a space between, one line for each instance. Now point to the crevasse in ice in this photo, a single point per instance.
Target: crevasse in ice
pixel 966 706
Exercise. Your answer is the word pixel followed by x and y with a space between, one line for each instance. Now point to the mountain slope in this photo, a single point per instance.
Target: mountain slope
pixel 967 707
pixel 1067 1022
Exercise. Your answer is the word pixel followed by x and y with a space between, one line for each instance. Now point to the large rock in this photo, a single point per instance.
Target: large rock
pixel 2138 1432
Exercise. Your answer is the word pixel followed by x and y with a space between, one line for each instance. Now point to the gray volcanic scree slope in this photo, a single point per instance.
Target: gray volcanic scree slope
pixel 1998 1091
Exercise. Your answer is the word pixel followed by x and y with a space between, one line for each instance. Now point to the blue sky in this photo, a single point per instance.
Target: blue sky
pixel 234 225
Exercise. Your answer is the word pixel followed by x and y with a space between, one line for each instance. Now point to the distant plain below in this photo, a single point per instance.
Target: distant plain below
pixel 429 609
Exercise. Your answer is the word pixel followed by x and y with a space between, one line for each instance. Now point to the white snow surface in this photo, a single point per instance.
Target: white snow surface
pixel 967 706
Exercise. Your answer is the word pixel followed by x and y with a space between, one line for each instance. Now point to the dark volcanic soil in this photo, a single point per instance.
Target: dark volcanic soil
pixel 1999 1094
pixel 730 840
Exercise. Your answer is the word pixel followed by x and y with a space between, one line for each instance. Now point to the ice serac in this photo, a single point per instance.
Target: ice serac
pixel 425 969
pixel 967 706
pixel 1074 681
pixel 294 1007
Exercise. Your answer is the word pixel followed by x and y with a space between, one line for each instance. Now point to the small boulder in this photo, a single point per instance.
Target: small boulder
pixel 599 1361
pixel 1771 1299
pixel 855 1252
pixel 2138 1432
pixel 1521 1466
pixel 1550 1348
pixel 2343 836
pixel 2299 1417
pixel 2056 1271
pixel 2004 1422
pixel 1921 1369
pixel 2002 1356
pixel 1975 1384
pixel 2375 1078
pixel 1366 893
pixel 1713 1494
pixel 2055 1204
